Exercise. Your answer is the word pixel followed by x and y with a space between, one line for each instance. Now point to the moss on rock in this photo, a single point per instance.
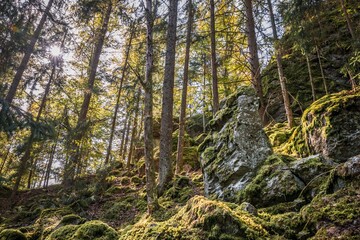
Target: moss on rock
pixel 12 234
pixel 200 218
pixel 334 215
pixel 329 126
pixel 62 233
pixel 95 230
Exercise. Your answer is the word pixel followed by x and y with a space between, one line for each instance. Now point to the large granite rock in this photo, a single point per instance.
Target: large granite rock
pixel 332 125
pixel 236 147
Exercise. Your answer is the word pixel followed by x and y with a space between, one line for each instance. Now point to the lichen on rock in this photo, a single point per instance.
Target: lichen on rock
pixel 235 147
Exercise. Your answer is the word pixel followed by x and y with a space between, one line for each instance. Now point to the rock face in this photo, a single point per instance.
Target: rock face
pixel 236 147
pixel 332 125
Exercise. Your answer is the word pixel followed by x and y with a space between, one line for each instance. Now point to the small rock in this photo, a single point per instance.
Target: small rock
pixel 248 207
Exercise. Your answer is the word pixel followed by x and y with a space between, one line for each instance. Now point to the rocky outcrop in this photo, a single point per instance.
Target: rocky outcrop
pixel 332 125
pixel 236 147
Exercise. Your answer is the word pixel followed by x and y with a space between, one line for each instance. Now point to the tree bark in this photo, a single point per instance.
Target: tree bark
pixel 126 125
pixel 180 144
pixel 41 108
pixel 113 121
pixel 49 164
pixel 254 58
pixel 348 21
pixel 5 157
pixel 152 200
pixel 123 155
pixel 204 94
pixel 165 164
pixel 310 77
pixel 215 92
pixel 287 105
pixel 134 131
pixel 321 70
pixel 25 60
pixel 79 134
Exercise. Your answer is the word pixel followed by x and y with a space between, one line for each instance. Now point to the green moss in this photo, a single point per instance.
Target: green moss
pixel 287 224
pixel 95 230
pixel 72 219
pixel 200 218
pixel 12 234
pixel 125 181
pixel 136 180
pixel 62 233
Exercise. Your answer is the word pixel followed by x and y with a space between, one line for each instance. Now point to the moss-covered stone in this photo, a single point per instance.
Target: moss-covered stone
pixel 334 215
pixel 71 219
pixel 12 234
pixel 329 126
pixel 95 230
pixel 62 233
pixel 200 218
pixel 235 147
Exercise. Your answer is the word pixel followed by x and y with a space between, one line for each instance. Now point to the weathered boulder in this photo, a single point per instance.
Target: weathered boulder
pixel 284 179
pixel 236 147
pixel 332 125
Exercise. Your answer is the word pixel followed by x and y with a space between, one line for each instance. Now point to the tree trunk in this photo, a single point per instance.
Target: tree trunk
pixel 49 165
pixel 287 105
pixel 254 58
pixel 180 144
pixel 80 131
pixel 5 158
pixel 321 69
pixel 348 21
pixel 165 164
pixel 152 200
pixel 215 92
pixel 204 94
pixel 25 60
pixel 133 133
pixel 123 155
pixel 41 108
pixel 310 77
pixel 27 155
pixel 113 121
pixel 122 142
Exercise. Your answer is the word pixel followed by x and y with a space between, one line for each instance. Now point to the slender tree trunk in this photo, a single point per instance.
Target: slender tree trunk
pixel 204 94
pixel 287 105
pixel 322 70
pixel 310 77
pixel 352 81
pixel 180 144
pixel 41 108
pixel 133 133
pixel 215 92
pixel 348 21
pixel 123 155
pixel 113 121
pixel 152 199
pixel 49 165
pixel 254 58
pixel 165 164
pixel 80 131
pixel 25 60
pixel 122 142
pixel 27 155
pixel 5 157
